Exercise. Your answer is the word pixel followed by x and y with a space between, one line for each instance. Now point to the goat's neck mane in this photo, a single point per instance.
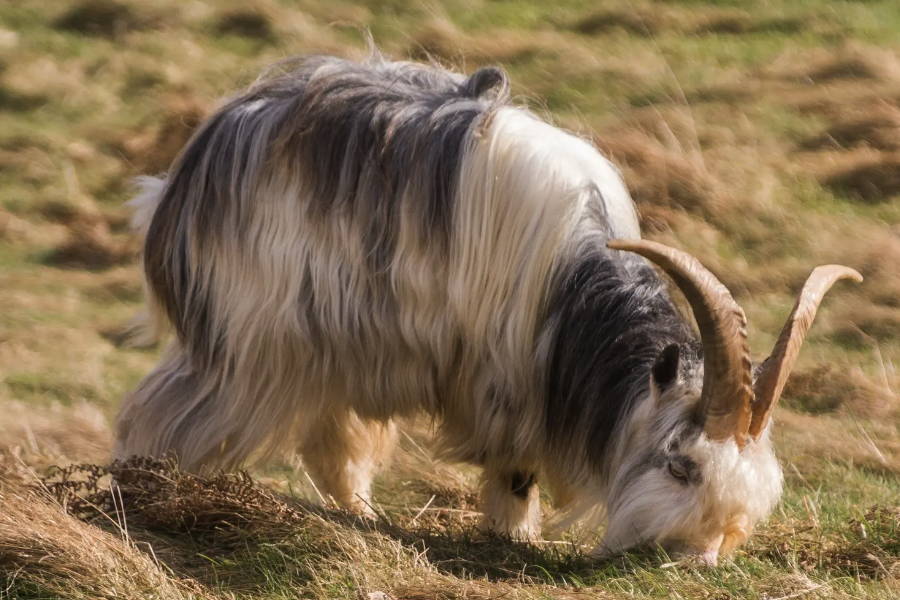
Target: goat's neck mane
pixel 611 317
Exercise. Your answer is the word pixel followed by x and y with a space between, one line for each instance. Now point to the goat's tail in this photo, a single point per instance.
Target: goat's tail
pixel 147 327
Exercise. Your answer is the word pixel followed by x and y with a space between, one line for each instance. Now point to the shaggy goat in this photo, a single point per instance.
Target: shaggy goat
pixel 344 244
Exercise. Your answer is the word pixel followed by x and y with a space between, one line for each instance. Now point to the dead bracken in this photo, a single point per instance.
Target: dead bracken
pixel 154 494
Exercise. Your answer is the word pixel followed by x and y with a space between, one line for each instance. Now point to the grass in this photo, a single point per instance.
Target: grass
pixel 762 136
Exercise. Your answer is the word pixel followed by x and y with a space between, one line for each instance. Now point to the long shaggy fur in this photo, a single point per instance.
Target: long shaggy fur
pixel 345 243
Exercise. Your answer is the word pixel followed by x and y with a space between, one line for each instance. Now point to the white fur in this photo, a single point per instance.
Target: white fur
pixel 738 489
pixel 147 327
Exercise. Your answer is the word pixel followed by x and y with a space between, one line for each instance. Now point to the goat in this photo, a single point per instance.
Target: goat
pixel 344 244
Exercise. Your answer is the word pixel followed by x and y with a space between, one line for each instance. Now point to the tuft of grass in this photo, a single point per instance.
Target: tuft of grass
pixel 90 246
pixel 246 22
pixel 153 494
pixel 871 180
pixel 664 178
pixel 828 389
pixel 47 553
pixel 56 435
pixel 104 18
pixel 877 131
pixel 739 22
pixel 153 151
pixel 644 21
pixel 856 61
pixel 862 548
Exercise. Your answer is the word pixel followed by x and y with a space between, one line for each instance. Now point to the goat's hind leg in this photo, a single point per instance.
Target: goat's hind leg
pixel 342 453
pixel 176 411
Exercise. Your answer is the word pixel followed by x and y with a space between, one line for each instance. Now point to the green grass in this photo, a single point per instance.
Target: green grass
pixel 749 83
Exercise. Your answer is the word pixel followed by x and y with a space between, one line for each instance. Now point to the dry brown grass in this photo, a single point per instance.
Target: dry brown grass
pixel 739 22
pixel 871 179
pixel 828 388
pixel 249 22
pixel 644 20
pixel 875 252
pixel 153 150
pixel 439 39
pixel 154 495
pixel 660 176
pixel 656 18
pixel 55 435
pixel 44 551
pixel 866 323
pixel 853 61
pixel 880 131
pixel 811 443
pixel 864 548
pixel 226 513
pixel 106 18
pixel 5 224
pixel 91 246
pixel 229 515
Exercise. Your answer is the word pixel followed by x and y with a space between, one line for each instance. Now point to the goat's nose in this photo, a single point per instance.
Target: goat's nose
pixel 709 558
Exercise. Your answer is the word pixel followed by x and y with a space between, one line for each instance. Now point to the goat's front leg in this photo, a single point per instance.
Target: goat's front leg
pixel 511 503
pixel 342 452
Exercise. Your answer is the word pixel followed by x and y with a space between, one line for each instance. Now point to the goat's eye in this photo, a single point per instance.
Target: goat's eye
pixel 678 472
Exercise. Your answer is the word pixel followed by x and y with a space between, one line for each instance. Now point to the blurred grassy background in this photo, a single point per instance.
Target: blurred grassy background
pixel 761 135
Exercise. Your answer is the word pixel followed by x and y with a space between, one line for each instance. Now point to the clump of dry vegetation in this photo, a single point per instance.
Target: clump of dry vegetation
pixel 106 18
pixel 90 245
pixel 45 552
pixel 644 21
pixel 869 180
pixel 828 389
pixel 54 436
pixel 856 62
pixel 153 494
pixel 4 223
pixel 880 131
pixel 228 516
pixel 740 22
pixel 438 39
pixel 655 18
pixel 246 22
pixel 153 150
pixel 661 177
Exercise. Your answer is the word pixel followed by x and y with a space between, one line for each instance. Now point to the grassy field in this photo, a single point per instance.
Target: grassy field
pixel 761 135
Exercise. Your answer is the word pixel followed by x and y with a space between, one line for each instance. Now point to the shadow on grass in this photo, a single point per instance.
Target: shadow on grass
pixel 230 530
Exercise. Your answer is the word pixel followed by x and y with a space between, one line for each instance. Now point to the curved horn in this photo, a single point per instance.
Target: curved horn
pixel 727 392
pixel 774 372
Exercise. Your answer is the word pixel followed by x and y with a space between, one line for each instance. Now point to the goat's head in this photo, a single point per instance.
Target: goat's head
pixel 698 470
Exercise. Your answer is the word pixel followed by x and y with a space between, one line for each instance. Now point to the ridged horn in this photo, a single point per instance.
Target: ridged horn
pixel 727 393
pixel 774 372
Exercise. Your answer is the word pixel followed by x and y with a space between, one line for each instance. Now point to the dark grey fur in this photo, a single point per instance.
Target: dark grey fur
pixel 613 319
pixel 361 136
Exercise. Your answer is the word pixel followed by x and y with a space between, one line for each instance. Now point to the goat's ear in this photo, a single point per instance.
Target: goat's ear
pixel 665 368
